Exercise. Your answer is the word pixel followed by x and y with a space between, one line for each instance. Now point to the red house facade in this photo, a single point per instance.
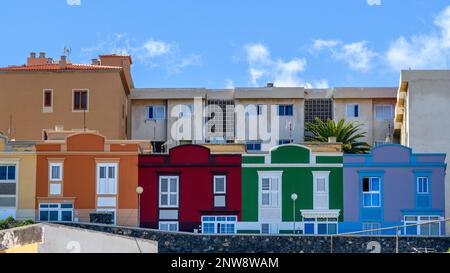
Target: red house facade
pixel 191 190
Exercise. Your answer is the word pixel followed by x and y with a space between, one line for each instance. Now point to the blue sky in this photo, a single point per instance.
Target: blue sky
pixel 226 43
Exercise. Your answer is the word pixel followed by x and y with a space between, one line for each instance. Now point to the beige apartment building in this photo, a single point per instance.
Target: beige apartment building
pixel 46 94
pixel 421 116
pixel 153 113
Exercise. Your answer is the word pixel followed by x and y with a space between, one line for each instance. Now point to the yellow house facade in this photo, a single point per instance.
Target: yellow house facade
pixel 17 179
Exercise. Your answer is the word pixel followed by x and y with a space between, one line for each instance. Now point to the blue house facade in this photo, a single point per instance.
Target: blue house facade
pixel 393 187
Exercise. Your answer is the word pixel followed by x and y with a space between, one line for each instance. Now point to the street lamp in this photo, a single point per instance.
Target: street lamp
pixel 139 191
pixel 294 197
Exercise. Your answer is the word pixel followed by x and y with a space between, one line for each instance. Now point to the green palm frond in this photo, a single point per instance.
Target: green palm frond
pixel 347 133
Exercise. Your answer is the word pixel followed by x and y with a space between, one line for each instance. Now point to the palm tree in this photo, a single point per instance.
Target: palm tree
pixel 346 133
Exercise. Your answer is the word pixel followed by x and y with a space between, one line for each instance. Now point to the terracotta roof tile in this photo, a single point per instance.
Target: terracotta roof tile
pixel 57 67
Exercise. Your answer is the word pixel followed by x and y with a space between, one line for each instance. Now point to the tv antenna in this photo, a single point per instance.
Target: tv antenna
pixel 67 51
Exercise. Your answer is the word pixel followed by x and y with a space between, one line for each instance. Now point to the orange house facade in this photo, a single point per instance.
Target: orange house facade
pixel 83 173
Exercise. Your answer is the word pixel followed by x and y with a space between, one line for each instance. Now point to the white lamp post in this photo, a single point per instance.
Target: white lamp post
pixel 139 191
pixel 294 197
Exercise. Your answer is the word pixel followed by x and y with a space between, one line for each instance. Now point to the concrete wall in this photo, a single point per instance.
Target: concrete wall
pixel 64 239
pixel 426 126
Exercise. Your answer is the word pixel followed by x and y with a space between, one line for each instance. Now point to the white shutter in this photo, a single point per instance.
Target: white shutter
pixel 274 192
pixel 321 190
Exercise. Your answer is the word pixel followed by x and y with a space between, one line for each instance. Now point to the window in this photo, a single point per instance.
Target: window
pixel 219 224
pixel 107 178
pixel 80 100
pixel 220 190
pixel 157 112
pixel 422 226
pixel 56 171
pixel 371 191
pixel 320 225
pixel 384 112
pixel 56 212
pixel 168 226
pixel 370 227
pixel 158 147
pixel 259 109
pixel 286 110
pixel 48 100
pixel 168 191
pixel 8 186
pixel 270 192
pixel 352 110
pixel 253 146
pixel 284 141
pixel 422 185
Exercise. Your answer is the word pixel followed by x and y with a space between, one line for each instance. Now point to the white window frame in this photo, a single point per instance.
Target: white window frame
pixel 371 192
pixel 169 192
pixel 419 221
pixel 327 222
pixel 15 181
pixel 353 110
pixel 115 180
pixel 418 184
pixel 58 209
pixel 371 226
pixel 391 111
pixel 224 184
pixel 56 164
pixel 168 223
pixel 270 191
pixel 153 107
pixel 216 222
pixel 316 176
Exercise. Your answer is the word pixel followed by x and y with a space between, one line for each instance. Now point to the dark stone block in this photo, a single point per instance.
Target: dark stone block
pixel 106 218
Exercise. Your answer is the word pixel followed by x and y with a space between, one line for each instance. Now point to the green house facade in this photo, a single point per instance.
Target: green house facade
pixel 270 183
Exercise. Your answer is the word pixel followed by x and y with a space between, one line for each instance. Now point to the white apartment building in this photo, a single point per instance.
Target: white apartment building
pixel 154 115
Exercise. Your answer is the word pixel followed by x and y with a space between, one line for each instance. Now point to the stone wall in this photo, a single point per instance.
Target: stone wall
pixel 101 218
pixel 21 236
pixel 187 243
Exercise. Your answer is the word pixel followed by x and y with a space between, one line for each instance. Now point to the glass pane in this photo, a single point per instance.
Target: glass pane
pixel 53 215
pixel 220 184
pixel 173 185
pixel 55 172
pixel 164 199
pixel 309 228
pixel 411 230
pixel 102 172
pixel 321 228
pixel 43 215
pixel 66 216
pixel 274 184
pixel 265 228
pixel 8 202
pixel 7 188
pixel 425 229
pixel 11 172
pixel 434 229
pixel 219 201
pixel 375 200
pixel 66 206
pixel 164 185
pixel 265 200
pixel 164 227
pixel 375 184
pixel 332 228
pixel 411 218
pixel 366 184
pixel 321 185
pixel 111 172
pixel 173 199
pixel 2 172
pixel 265 184
pixel 159 112
pixel 367 200
pixel 173 227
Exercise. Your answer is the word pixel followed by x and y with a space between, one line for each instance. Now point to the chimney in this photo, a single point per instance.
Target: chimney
pixel 270 84
pixel 32 60
pixel 123 61
pixel 63 61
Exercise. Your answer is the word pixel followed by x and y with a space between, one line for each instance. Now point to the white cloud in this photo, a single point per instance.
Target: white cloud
pixel 374 2
pixel 73 2
pixel 356 55
pixel 151 52
pixel 320 84
pixel 281 72
pixel 422 51
pixel 229 84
